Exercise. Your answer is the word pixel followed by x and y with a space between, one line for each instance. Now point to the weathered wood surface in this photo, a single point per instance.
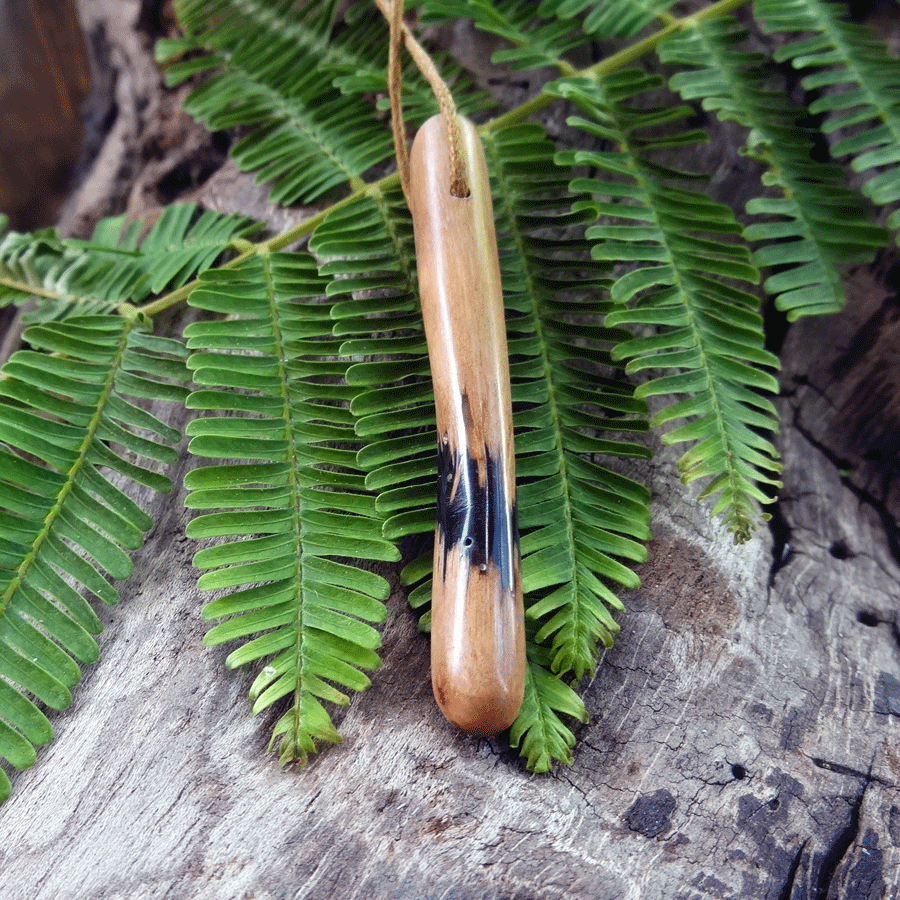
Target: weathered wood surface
pixel 744 730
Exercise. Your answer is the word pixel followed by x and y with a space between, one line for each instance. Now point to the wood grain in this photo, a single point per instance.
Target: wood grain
pixel 477 621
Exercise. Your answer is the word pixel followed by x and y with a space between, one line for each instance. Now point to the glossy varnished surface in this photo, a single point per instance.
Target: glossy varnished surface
pixel 477 636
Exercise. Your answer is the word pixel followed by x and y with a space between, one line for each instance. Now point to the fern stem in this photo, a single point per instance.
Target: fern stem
pixel 26 287
pixel 293 481
pixel 606 66
pixel 666 18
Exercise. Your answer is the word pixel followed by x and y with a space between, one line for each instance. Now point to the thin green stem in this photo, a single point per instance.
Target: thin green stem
pixel 296 503
pixel 605 67
pixel 35 290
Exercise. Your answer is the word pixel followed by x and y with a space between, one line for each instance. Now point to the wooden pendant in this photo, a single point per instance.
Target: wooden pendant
pixel 477 620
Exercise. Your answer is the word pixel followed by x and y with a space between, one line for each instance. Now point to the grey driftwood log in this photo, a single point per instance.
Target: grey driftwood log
pixel 744 739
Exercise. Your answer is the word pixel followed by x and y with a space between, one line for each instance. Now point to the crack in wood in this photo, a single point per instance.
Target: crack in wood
pixel 889 523
pixel 788 890
pixel 782 551
pixel 841 845
pixel 840 769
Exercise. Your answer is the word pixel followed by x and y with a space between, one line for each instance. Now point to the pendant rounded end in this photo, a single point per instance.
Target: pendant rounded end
pixel 479 715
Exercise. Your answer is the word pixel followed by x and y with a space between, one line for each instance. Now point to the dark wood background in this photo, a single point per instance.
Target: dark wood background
pixel 743 740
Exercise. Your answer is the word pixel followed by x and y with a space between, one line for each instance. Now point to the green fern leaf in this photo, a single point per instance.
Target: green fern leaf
pixel 353 60
pixel 304 140
pixel 31 267
pixel 817 223
pixel 275 70
pixel 123 262
pixel 70 427
pixel 367 246
pixel 116 264
pixel 578 518
pixel 861 82
pixel 286 493
pixel 711 335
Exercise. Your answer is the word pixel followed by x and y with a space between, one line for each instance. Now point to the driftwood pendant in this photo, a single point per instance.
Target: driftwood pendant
pixel 477 620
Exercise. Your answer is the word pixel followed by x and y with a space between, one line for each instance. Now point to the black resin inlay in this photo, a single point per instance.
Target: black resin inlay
pixel 477 519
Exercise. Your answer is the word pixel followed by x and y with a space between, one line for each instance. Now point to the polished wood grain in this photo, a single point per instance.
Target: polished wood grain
pixel 477 631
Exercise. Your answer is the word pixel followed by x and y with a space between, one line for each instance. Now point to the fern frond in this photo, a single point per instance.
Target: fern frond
pixel 367 248
pixel 71 423
pixel 29 269
pixel 304 139
pixel 132 262
pixel 579 520
pixel 286 493
pixel 817 223
pixel 711 335
pixel 861 84
pixel 310 22
pixel 295 86
pixel 546 33
pixel 117 264
pixel 353 60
